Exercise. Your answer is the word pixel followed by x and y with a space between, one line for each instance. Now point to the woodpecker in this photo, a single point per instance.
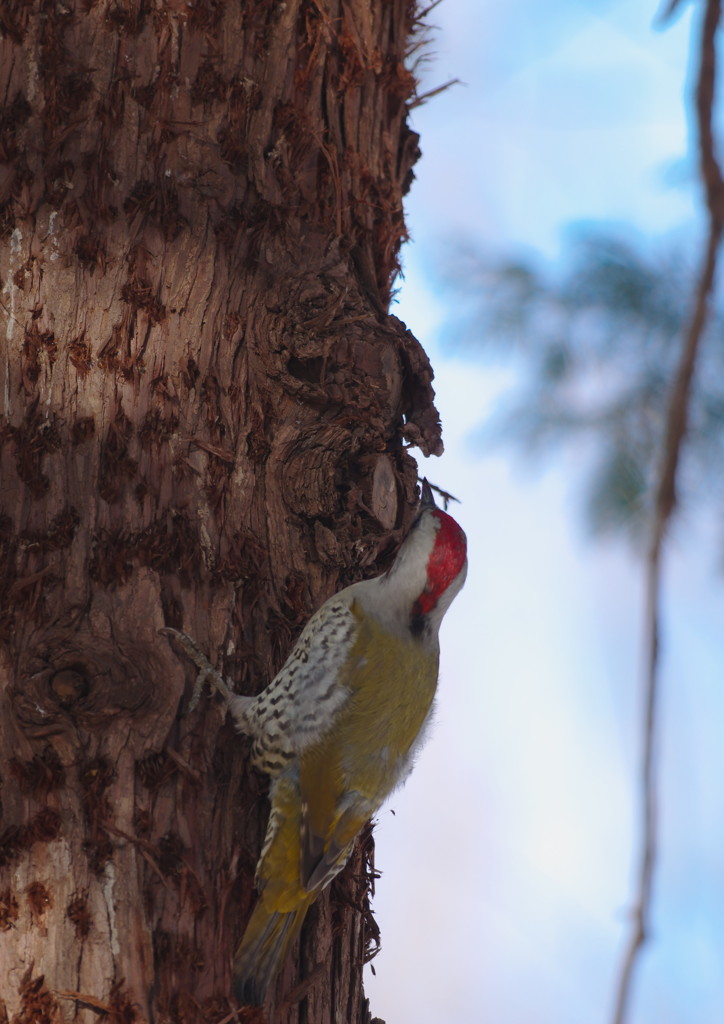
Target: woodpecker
pixel 337 728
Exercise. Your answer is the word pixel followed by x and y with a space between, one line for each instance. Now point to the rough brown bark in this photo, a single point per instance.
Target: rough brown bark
pixel 205 408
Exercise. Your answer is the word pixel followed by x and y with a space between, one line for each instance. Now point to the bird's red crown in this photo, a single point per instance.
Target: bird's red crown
pixel 446 560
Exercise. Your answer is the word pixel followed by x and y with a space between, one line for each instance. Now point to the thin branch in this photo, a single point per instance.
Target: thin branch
pixel 425 96
pixel 421 15
pixel 86 1000
pixel 667 13
pixel 665 501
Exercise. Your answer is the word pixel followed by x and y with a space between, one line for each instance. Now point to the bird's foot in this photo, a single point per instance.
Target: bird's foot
pixel 206 673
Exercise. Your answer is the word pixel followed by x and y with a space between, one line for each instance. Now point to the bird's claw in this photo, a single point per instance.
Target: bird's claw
pixel 206 671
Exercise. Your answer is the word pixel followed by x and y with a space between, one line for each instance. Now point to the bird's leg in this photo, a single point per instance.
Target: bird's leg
pixel 207 672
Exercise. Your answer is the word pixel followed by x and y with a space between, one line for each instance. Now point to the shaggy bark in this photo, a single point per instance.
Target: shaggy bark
pixel 205 409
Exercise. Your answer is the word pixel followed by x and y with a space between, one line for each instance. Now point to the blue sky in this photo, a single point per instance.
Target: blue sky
pixel 507 865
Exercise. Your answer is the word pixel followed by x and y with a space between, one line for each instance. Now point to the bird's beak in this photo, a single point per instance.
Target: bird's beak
pixel 427 499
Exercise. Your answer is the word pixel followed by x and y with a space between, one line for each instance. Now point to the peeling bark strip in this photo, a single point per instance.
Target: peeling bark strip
pixel 204 410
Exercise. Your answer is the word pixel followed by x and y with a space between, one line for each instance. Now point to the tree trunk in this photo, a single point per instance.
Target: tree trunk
pixel 205 407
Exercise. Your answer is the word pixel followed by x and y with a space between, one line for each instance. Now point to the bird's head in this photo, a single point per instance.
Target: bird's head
pixel 430 566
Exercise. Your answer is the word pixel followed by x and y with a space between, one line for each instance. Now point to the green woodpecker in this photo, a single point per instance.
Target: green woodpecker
pixel 336 730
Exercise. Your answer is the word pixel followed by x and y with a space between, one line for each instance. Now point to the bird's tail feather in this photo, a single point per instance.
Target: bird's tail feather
pixel 262 950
